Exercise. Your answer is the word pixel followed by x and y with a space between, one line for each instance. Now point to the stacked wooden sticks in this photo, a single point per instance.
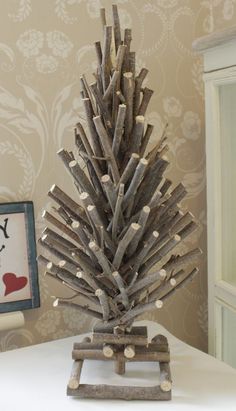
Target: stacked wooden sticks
pixel 122 349
pixel 128 218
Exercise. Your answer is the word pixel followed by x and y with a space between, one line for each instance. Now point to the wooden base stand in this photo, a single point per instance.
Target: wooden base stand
pixel 121 347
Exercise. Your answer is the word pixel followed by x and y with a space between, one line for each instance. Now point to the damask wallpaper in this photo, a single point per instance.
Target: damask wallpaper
pixel 44 48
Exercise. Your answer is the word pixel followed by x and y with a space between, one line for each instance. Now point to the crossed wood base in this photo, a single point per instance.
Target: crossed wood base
pixel 121 347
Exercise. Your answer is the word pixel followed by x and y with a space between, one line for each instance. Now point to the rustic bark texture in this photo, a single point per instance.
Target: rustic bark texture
pixel 124 218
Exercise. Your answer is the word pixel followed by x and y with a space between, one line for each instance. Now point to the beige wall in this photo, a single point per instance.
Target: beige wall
pixel 45 46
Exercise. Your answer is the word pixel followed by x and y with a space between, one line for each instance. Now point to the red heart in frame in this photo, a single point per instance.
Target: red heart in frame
pixel 13 283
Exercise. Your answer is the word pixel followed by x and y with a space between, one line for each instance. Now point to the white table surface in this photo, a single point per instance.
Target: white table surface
pixel 35 378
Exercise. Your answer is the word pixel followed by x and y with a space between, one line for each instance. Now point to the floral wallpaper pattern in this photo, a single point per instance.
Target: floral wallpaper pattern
pixel 45 47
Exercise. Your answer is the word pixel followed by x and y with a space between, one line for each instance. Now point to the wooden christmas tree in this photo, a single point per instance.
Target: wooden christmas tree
pixel 127 221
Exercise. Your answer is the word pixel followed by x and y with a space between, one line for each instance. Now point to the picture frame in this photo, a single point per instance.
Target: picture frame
pixel 19 288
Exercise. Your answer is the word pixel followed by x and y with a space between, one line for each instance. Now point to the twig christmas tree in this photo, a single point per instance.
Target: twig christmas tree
pixel 128 217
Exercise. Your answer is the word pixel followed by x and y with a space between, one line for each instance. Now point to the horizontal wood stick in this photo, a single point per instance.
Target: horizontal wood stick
pixel 105 142
pixel 140 340
pixel 123 244
pixel 120 392
pixel 87 345
pixel 98 355
pixel 63 303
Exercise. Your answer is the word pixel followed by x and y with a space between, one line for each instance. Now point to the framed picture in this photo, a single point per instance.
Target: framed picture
pixel 18 266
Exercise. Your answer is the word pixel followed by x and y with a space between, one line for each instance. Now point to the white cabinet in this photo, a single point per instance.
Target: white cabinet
pixel 219 52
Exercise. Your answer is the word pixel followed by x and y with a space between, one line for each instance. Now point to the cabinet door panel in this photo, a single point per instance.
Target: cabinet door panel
pixel 227 106
pixel 229 336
